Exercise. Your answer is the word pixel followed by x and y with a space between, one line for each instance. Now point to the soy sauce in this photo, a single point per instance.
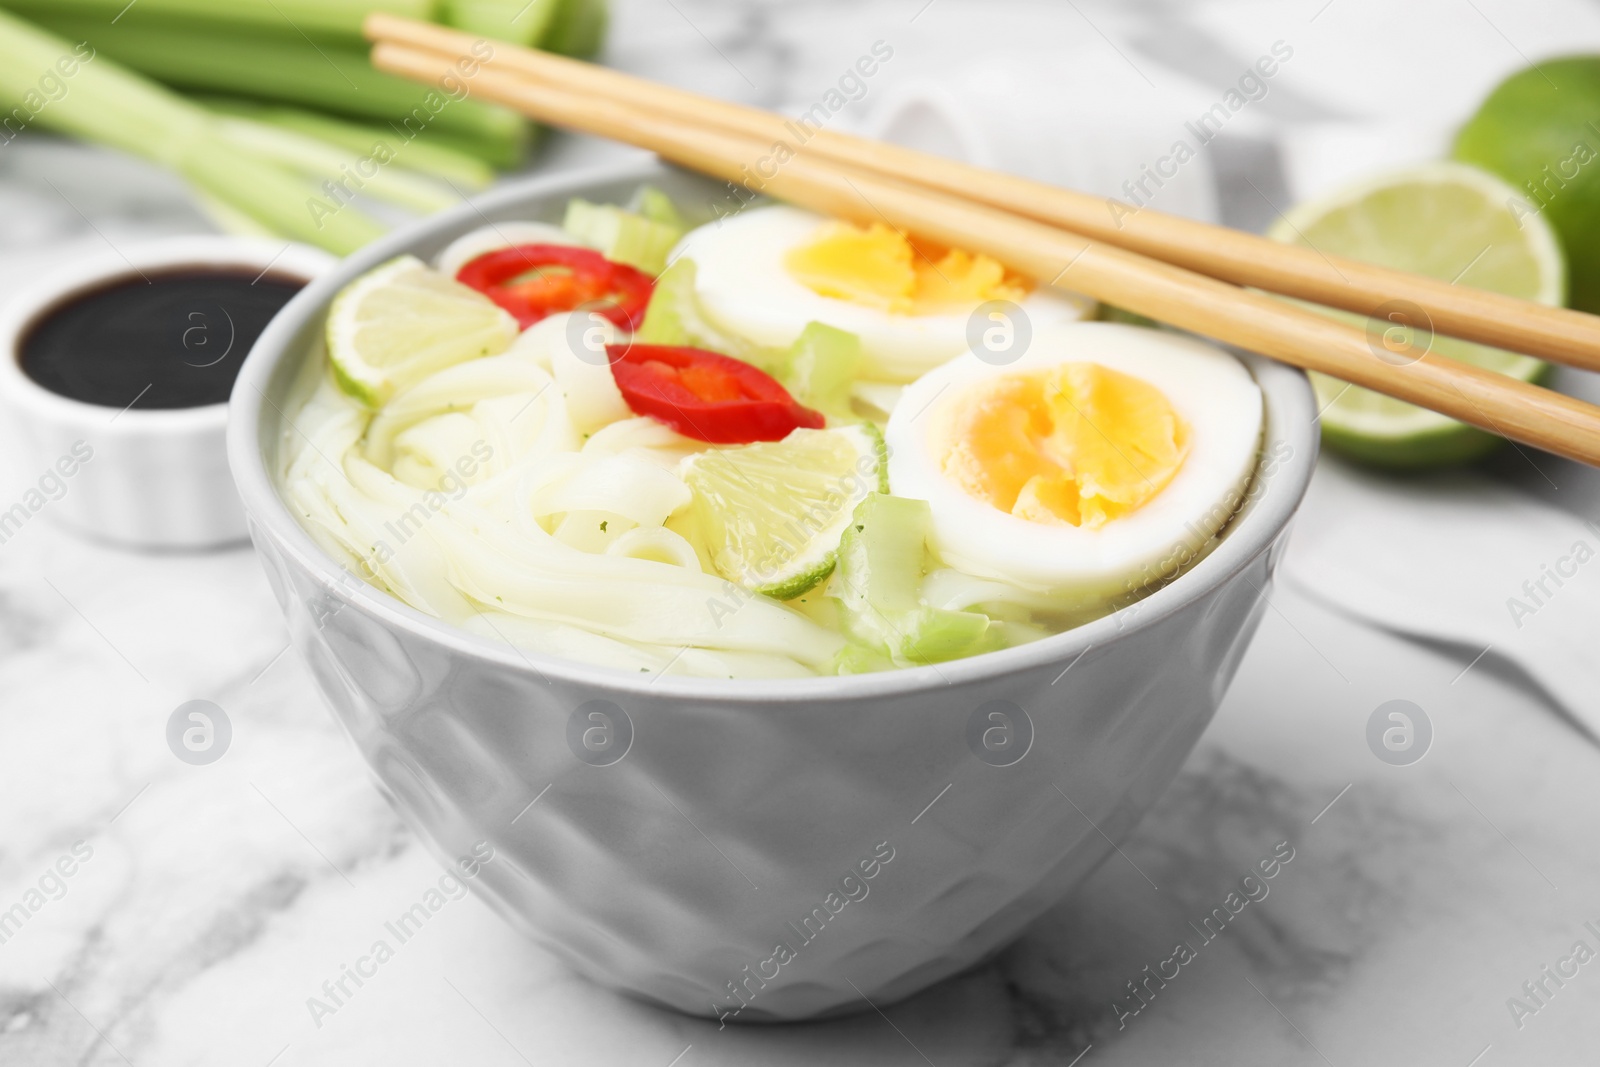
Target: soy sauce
pixel 167 339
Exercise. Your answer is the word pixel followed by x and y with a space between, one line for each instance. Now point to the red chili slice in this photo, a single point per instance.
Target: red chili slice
pixel 707 396
pixel 568 278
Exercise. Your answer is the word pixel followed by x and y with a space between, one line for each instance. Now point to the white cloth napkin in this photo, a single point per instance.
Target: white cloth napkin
pixel 1074 114
pixel 1462 559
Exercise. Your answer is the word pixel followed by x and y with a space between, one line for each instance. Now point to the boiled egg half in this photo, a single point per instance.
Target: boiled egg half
pixel 1097 462
pixel 765 273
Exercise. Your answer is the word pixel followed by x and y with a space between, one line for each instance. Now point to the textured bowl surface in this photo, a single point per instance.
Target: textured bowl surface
pixel 759 850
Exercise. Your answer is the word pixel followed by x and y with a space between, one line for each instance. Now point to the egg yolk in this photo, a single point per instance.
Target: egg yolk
pixel 1077 444
pixel 879 267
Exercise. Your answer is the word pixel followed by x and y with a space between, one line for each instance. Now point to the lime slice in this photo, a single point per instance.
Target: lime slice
pixel 772 513
pixel 1447 221
pixel 401 322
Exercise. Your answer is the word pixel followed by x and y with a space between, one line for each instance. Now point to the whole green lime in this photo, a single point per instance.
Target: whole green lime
pixel 1540 131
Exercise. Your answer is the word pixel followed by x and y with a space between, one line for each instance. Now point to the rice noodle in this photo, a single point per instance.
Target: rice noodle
pixel 472 497
pixel 518 496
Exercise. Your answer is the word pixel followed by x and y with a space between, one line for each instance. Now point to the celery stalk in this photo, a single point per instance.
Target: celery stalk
pixel 326 77
pixel 528 137
pixel 429 157
pixel 318 18
pixel 524 22
pixel 878 584
pixel 230 219
pixel 275 198
pixel 109 105
pixel 334 169
pixel 577 29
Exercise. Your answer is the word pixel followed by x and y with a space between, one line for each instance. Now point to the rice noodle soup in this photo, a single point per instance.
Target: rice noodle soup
pixel 775 445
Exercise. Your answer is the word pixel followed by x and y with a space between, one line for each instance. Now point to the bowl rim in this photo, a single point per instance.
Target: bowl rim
pixel 1250 535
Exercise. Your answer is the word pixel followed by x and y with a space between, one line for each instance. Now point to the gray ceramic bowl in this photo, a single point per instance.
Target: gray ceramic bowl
pixel 779 849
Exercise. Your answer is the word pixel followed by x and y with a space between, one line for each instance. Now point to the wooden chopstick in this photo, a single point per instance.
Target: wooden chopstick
pixel 1558 334
pixel 1251 320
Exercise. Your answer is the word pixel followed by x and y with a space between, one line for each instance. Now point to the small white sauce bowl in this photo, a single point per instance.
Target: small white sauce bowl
pixel 139 478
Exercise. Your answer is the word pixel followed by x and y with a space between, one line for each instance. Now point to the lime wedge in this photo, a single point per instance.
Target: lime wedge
pixel 1447 221
pixel 401 322
pixel 772 513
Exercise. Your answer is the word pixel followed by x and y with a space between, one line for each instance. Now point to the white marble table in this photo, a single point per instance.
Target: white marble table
pixel 207 904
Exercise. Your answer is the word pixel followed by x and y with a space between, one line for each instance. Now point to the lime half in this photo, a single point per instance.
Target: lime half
pixel 401 322
pixel 772 513
pixel 1443 220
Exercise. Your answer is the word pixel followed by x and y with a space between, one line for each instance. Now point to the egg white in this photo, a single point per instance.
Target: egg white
pixel 469 246
pixel 744 288
pixel 1210 389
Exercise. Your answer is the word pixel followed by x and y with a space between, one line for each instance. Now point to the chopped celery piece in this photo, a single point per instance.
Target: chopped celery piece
pixel 657 206
pixel 663 323
pixel 821 367
pixel 622 235
pixel 881 555
pixel 933 635
pixel 859 659
pixel 878 584
pixel 674 318
pixel 1107 313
